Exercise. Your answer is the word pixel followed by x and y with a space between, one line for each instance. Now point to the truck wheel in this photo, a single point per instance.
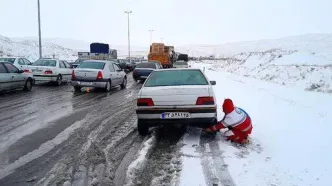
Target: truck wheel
pixel 143 128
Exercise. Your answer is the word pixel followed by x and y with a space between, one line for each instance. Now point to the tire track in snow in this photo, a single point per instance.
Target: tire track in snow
pixel 214 166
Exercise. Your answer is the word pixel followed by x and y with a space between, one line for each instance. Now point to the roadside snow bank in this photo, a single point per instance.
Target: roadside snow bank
pixel 290 68
pixel 291 136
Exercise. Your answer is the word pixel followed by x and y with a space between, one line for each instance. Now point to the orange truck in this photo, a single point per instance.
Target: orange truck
pixel 162 54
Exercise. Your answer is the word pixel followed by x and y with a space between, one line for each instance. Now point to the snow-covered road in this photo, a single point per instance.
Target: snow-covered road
pixel 52 136
pixel 291 136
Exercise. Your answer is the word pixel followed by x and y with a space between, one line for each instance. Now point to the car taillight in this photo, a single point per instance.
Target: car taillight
pixel 145 102
pixel 48 72
pixel 100 75
pixel 205 101
pixel 27 71
pixel 73 76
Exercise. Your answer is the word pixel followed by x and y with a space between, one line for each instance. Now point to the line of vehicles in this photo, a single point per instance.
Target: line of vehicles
pixel 171 92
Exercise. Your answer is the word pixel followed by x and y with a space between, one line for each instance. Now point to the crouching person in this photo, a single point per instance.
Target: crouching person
pixel 236 120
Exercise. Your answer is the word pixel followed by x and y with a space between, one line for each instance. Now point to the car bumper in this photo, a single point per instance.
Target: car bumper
pixel 45 78
pixel 96 84
pixel 199 117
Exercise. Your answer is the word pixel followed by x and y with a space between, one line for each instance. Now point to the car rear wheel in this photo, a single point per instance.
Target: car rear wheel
pixel 143 128
pixel 28 85
pixel 59 80
pixel 108 86
pixel 124 83
pixel 77 89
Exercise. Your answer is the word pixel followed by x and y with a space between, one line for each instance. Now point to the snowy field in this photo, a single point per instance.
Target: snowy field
pixel 290 143
pixel 285 67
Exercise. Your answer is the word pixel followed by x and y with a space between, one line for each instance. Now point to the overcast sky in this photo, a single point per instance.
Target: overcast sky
pixel 179 22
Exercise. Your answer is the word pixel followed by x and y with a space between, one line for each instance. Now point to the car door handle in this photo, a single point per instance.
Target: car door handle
pixel 12 76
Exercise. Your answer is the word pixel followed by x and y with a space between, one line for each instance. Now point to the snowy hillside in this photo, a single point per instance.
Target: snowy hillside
pixel 319 44
pixel 287 67
pixel 30 50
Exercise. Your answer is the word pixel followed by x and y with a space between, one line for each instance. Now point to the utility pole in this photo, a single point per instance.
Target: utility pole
pixel 128 12
pixel 151 36
pixel 39 31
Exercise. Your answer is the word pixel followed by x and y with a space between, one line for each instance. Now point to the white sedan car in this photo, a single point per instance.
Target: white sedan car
pixel 176 96
pixel 19 62
pixel 51 70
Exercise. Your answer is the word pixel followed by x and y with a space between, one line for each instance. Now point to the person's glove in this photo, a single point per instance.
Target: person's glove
pixel 230 127
pixel 208 130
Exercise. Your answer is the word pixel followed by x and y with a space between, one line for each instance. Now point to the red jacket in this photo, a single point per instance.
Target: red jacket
pixel 237 120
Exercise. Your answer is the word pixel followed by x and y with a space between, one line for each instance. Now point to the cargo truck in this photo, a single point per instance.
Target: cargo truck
pixel 162 54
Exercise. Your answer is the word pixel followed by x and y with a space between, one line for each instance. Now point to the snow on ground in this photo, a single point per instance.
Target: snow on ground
pixel 286 67
pixel 290 143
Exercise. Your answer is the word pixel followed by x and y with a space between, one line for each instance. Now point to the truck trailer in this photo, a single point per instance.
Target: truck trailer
pixel 163 54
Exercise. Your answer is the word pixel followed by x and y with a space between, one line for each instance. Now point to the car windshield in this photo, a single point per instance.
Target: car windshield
pixel 92 65
pixel 10 60
pixel 146 65
pixel 176 78
pixel 78 61
pixel 42 62
pixel 181 63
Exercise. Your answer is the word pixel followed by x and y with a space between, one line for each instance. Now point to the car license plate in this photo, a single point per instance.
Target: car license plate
pixel 85 83
pixel 175 115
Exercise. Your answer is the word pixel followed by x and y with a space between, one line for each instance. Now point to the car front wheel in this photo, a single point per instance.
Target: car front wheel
pixel 143 128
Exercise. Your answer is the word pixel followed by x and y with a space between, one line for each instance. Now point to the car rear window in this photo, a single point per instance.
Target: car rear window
pixel 92 65
pixel 146 65
pixel 10 60
pixel 176 78
pixel 41 62
pixel 181 63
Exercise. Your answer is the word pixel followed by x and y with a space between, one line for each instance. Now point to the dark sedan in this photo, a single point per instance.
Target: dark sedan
pixel 143 70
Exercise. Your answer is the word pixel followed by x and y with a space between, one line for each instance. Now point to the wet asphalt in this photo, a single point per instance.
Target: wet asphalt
pixel 55 136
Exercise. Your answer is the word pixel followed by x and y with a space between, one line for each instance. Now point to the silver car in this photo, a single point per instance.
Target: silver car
pixel 12 78
pixel 99 74
pixel 176 96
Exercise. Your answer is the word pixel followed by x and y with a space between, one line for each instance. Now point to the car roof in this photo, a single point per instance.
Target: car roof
pixel 177 69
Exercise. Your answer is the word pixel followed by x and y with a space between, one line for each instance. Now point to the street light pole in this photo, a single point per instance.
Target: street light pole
pixel 128 12
pixel 151 36
pixel 39 31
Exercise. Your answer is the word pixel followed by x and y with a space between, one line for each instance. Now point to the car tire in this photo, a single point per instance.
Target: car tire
pixel 28 85
pixel 143 128
pixel 108 86
pixel 77 89
pixel 59 80
pixel 124 83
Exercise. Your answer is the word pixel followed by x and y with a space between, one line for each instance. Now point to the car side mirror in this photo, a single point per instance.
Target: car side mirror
pixel 213 82
pixel 20 71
